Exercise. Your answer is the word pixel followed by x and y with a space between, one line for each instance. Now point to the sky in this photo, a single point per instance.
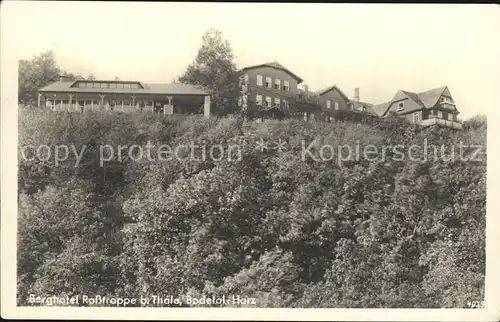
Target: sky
pixel 378 48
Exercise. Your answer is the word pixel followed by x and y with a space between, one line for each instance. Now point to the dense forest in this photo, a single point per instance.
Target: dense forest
pixel 289 232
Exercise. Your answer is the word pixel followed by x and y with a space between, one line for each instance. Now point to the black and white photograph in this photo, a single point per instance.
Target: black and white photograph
pixel 250 160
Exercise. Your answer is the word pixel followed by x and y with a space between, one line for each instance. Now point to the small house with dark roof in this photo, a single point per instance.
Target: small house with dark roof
pixel 125 96
pixel 431 107
pixel 358 106
pixel 332 98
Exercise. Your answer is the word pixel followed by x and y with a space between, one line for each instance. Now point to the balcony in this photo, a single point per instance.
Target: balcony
pixel 442 122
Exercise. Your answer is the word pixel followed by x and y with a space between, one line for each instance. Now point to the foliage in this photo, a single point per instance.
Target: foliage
pixel 214 69
pixel 39 72
pixel 289 231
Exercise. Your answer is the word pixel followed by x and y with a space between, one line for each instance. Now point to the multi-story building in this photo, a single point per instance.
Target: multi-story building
pixel 269 85
pixel 432 107
pixel 126 96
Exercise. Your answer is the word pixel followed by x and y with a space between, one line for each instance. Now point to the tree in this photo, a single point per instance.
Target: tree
pixel 34 74
pixel 214 69
pixel 71 76
pixel 91 77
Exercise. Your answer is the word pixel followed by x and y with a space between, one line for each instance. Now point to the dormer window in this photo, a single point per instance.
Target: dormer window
pixel 446 100
pixel 400 107
pixel 107 84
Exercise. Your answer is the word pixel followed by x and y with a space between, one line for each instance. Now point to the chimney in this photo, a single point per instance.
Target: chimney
pixel 306 88
pixel 356 94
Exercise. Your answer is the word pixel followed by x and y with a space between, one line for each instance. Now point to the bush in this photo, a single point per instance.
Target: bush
pixel 287 231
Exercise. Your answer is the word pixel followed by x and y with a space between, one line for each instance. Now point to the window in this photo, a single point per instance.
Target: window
pixel 446 100
pixel 81 84
pixel 440 114
pixel 305 116
pixel 134 86
pixel 268 101
pixel 450 117
pixel 445 115
pixel 258 100
pixel 259 80
pixel 269 82
pixel 285 103
pixel 119 85
pixel 312 116
pixel 277 84
pixel 96 85
pixel 328 104
pixel 286 86
pixel 416 117
pixel 104 85
pixel 126 86
pixel 277 102
pixel 400 107
pixel 336 105
pixel 88 85
pixel 112 85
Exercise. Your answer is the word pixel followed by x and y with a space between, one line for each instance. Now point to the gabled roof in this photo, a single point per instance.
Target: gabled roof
pixel 149 88
pixel 429 98
pixel 414 97
pixel 329 88
pixel 426 99
pixel 381 109
pixel 276 65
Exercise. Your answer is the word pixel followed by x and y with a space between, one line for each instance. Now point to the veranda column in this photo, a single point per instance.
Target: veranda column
pixel 69 102
pixel 54 105
pixel 170 106
pixel 206 106
pixel 39 98
pixel 102 100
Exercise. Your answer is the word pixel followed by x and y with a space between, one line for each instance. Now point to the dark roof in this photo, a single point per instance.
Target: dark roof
pixel 358 105
pixel 149 88
pixel 380 109
pixel 429 98
pixel 329 88
pixel 276 65
pixel 414 97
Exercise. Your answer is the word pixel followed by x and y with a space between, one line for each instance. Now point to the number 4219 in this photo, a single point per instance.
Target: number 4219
pixel 475 304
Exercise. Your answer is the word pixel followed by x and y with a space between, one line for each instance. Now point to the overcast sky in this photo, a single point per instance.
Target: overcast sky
pixel 379 48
